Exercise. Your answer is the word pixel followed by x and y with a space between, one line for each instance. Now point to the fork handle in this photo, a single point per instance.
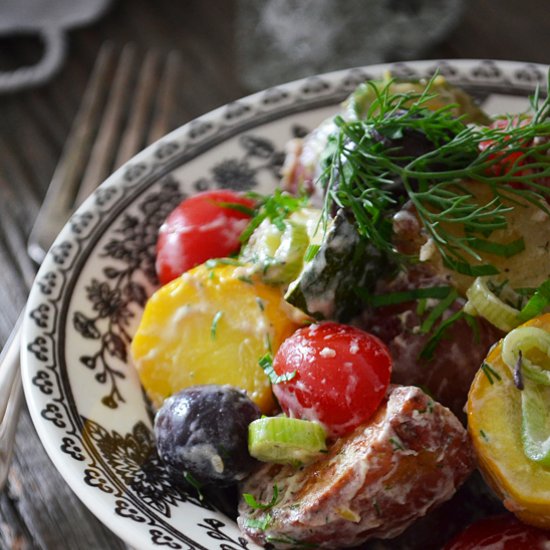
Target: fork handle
pixel 10 397
pixel 8 426
pixel 9 365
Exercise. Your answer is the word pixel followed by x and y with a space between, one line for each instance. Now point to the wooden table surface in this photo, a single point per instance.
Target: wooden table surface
pixel 37 509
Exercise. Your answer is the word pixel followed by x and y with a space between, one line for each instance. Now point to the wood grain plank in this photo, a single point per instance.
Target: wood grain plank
pixel 45 500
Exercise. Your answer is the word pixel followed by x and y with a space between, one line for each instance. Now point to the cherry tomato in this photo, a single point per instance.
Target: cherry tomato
pixel 504 532
pixel 198 229
pixel 341 375
pixel 507 161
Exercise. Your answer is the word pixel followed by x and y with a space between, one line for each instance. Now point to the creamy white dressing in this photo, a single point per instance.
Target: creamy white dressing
pixel 340 508
pixel 327 352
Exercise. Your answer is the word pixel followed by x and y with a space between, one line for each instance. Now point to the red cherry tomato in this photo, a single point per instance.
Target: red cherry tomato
pixel 506 161
pixel 342 375
pixel 503 532
pixel 199 229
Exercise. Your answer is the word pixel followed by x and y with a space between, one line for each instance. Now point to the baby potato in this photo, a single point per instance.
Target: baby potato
pixel 211 326
pixel 495 427
pixel 406 460
pixel 526 269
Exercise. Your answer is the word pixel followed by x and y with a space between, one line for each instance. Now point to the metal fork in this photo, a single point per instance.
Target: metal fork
pixel 128 104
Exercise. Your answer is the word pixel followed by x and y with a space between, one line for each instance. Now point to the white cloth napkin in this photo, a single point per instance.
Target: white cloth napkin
pixel 50 19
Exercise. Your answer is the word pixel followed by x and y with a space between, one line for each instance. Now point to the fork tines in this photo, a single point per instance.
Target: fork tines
pixel 129 102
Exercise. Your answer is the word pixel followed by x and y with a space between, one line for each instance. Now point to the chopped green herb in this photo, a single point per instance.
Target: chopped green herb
pixel 253 503
pixel 474 326
pixel 421 306
pixel 376 506
pixel 189 478
pixel 438 292
pixel 397 444
pixel 490 373
pixel 238 207
pixel 483 435
pixel 311 252
pixel 260 303
pixel 261 524
pixel 266 362
pixel 214 326
pixel 429 408
pixel 506 250
pixel 438 334
pixel 439 310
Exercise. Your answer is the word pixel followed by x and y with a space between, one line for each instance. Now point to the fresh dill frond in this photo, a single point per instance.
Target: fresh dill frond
pixel 403 151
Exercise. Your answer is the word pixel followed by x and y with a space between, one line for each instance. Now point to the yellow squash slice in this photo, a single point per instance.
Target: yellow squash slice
pixel 495 426
pixel 211 326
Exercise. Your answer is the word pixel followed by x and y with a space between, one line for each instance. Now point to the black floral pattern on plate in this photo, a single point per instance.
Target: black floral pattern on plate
pixel 133 458
pixel 115 298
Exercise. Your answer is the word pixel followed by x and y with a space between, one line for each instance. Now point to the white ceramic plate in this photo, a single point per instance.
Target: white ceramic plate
pixel 84 396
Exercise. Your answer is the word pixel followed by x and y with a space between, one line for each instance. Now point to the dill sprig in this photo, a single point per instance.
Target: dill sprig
pixel 369 171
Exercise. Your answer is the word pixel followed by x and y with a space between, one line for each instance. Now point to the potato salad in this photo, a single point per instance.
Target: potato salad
pixel 347 352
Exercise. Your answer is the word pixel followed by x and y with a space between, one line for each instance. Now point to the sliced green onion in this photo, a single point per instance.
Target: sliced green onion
pixel 506 250
pixel 537 303
pixel 438 311
pixel 535 412
pixel 438 292
pixel 471 270
pixel 286 440
pixel 535 396
pixel 483 301
pixel 523 339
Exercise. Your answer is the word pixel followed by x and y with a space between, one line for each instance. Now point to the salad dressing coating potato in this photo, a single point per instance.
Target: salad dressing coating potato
pixel 211 326
pixel 407 459
pixel 526 269
pixel 494 425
